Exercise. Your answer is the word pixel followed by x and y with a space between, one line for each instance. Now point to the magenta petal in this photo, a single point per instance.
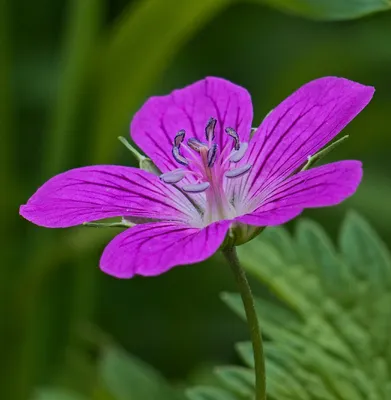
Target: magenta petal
pixel 324 186
pixel 104 191
pixel 155 125
pixel 154 248
pixel 272 217
pixel 301 125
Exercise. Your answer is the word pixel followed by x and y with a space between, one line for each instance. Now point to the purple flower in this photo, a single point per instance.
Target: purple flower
pixel 213 176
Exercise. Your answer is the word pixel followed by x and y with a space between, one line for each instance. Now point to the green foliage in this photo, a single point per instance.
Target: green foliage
pixel 72 74
pixel 240 380
pixel 330 9
pixel 57 394
pixel 329 336
pixel 79 48
pixel 328 339
pixel 128 378
pixel 209 393
pixel 118 376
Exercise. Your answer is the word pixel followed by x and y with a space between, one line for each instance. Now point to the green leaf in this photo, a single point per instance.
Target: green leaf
pixel 84 22
pixel 208 393
pixel 334 342
pixel 128 378
pixel 137 52
pixel 281 241
pixel 238 379
pixel 271 313
pixel 330 9
pixel 364 251
pixel 319 253
pixel 56 394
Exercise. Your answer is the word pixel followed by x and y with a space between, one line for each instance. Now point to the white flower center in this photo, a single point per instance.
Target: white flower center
pixel 209 166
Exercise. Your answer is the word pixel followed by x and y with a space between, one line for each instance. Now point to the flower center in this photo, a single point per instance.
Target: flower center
pixel 209 169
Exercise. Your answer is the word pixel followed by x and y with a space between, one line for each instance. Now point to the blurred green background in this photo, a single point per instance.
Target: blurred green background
pixel 72 73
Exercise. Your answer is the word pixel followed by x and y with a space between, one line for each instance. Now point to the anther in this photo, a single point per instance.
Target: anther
pixel 231 132
pixel 179 138
pixel 212 155
pixel 178 157
pixel 234 173
pixel 195 144
pixel 237 155
pixel 173 176
pixel 196 188
pixel 210 129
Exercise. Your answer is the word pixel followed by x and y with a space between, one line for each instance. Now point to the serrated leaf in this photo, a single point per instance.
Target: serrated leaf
pixel 277 273
pixel 245 352
pixel 208 393
pixel 319 252
pixel 330 9
pixel 281 240
pixel 238 379
pixel 128 378
pixel 271 316
pixel 364 251
pixel 338 346
pixel 283 383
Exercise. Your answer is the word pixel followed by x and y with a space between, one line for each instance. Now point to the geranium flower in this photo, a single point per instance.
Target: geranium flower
pixel 213 176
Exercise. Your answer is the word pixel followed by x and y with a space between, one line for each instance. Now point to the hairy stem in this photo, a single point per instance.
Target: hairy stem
pixel 252 320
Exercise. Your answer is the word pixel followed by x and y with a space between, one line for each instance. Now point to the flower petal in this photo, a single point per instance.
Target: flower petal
pixel 301 125
pixel 324 186
pixel 104 191
pixel 155 125
pixel 276 216
pixel 154 248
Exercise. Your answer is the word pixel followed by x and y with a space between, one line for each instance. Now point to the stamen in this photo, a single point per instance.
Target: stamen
pixel 234 173
pixel 210 129
pixel 195 144
pixel 173 176
pixel 178 157
pixel 231 132
pixel 196 188
pixel 212 155
pixel 237 155
pixel 179 138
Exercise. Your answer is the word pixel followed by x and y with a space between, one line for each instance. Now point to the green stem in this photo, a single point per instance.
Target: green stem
pixel 252 320
pixel 318 156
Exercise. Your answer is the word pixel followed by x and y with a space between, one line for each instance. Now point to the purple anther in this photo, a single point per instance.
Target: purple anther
pixel 237 155
pixel 210 129
pixel 212 155
pixel 173 176
pixel 196 187
pixel 234 173
pixel 178 157
pixel 179 138
pixel 195 144
pixel 231 132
